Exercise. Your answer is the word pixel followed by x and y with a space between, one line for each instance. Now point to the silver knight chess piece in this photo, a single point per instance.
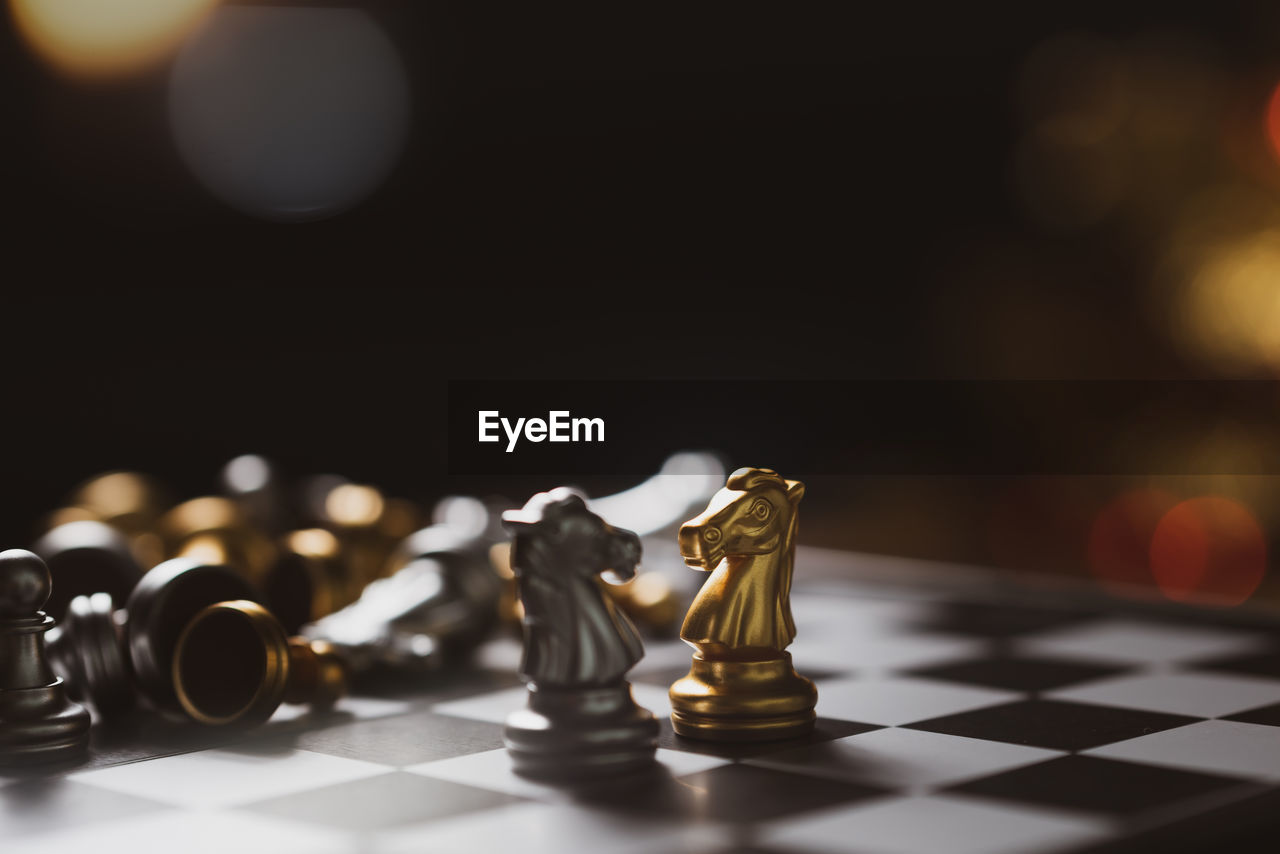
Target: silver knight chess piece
pixel 581 720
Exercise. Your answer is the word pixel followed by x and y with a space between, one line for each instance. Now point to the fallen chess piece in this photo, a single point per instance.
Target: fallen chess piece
pixel 439 603
pixel 195 646
pixel 308 580
pixel 581 720
pixel 256 484
pixel 649 600
pixel 86 557
pixel 129 502
pixel 108 655
pixel 215 530
pixel 89 651
pixel 38 723
pixel 660 502
pixel 741 685
pixel 233 665
pixel 368 524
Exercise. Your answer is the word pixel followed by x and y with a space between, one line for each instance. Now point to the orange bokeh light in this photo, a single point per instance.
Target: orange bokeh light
pixel 1273 121
pixel 92 38
pixel 1209 548
pixel 1120 538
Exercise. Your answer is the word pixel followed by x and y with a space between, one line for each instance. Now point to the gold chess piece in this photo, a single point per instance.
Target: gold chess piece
pixel 213 529
pixel 234 666
pixel 742 686
pixel 128 501
pixel 648 599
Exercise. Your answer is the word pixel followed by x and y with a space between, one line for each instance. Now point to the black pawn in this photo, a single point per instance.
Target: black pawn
pixel 37 721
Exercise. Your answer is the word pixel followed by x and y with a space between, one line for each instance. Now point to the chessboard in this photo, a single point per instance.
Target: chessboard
pixel 949 720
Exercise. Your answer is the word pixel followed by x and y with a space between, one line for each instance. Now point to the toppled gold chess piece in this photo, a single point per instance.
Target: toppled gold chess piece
pixel 234 665
pixel 309 578
pixel 649 600
pixel 128 501
pixel 742 686
pixel 214 529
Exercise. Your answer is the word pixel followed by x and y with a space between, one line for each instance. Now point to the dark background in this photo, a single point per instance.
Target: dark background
pixel 697 190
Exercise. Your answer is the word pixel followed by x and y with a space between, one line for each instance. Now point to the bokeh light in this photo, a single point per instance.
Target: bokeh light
pixel 247 473
pixel 1208 549
pixel 313 542
pixel 289 114
pixel 95 38
pixel 1120 538
pixel 354 505
pixel 1230 310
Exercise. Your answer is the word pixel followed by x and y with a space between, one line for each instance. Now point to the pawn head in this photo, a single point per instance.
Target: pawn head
pixel 24 584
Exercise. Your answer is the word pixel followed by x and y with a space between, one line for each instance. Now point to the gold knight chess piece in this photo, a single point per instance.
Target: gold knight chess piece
pixel 742 686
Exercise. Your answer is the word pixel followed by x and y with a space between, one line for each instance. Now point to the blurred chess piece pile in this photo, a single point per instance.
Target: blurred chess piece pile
pixel 218 608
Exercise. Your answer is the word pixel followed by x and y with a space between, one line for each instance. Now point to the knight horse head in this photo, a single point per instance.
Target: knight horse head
pixel 746 537
pixel 755 514
pixel 557 535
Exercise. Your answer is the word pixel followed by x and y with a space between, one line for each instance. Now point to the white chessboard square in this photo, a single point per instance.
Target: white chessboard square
pixel 655 698
pixel 823 616
pixel 1206 695
pixel 345 710
pixel 191 832
pixel 492 707
pixel 879 653
pixel 906 759
pixel 934 823
pixel 548 829
pixel 1122 641
pixel 228 776
pixel 893 701
pixel 492 770
pixel 1250 751
pixel 495 706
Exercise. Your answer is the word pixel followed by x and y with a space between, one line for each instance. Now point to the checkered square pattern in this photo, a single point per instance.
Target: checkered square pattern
pixel 1096 785
pixel 943 726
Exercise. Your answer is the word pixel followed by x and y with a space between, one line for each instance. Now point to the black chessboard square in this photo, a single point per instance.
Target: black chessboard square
pixel 997 620
pixel 387 800
pixel 1253 664
pixel 1087 783
pixel 449 683
pixel 1267 716
pixel 824 729
pixel 404 739
pixel 732 793
pixel 1018 674
pixel 1054 724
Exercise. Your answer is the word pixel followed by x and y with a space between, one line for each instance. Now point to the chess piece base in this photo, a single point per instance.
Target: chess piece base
pixel 41 725
pixel 571 734
pixel 760 700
